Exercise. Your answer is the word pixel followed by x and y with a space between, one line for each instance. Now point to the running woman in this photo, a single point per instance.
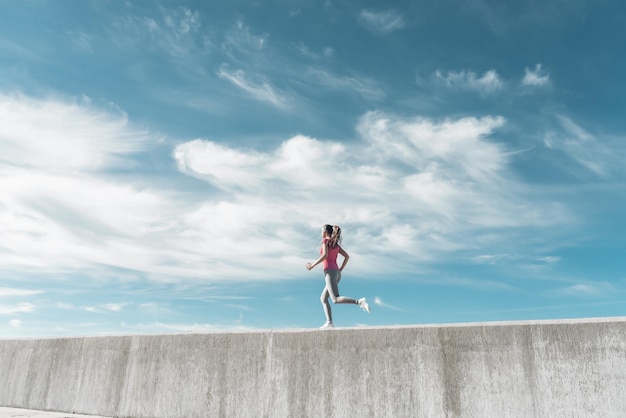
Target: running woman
pixel 331 240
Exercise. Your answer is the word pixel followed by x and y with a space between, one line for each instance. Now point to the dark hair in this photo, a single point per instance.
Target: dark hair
pixel 334 234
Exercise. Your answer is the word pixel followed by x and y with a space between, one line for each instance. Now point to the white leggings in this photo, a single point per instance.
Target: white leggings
pixel 332 278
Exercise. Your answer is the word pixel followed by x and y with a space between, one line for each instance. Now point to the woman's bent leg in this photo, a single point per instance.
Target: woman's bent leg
pixel 333 277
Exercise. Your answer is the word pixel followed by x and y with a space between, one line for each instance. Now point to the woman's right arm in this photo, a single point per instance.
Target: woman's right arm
pixel 323 257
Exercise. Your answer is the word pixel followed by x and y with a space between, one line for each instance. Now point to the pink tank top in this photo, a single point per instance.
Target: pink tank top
pixel 331 260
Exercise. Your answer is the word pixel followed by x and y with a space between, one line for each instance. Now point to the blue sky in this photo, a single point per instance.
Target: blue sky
pixel 167 166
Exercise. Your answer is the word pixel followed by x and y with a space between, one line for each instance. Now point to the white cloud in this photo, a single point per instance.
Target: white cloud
pixel 441 177
pixel 417 187
pixel 62 136
pixel 296 163
pixel 217 163
pixel 60 209
pixel 489 83
pixel 9 292
pixel 114 307
pixel 105 307
pixel 262 91
pixel 110 224
pixel 19 308
pixel 382 22
pixel 491 258
pixel 431 148
pixel 15 323
pixel 536 77
pixel 550 259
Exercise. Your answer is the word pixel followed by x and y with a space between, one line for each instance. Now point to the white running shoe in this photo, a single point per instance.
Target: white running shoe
pixel 327 325
pixel 363 305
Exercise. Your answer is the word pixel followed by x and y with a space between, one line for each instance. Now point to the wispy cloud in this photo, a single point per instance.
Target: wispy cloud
pixel 174 32
pixel 489 83
pixel 549 259
pixel 536 77
pixel 491 258
pixel 262 90
pixel 381 21
pixel 101 308
pixel 379 302
pixel 591 289
pixel 82 41
pixel 18 49
pixel 591 152
pixel 499 258
pixel 238 307
pixel 550 13
pixel 306 51
pixel 153 307
pixel 363 86
pixel 239 39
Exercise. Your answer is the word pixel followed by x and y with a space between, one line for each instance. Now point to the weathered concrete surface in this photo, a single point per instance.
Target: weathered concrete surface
pixel 544 369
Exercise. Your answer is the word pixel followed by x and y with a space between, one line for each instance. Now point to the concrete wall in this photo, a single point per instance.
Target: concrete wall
pixel 544 369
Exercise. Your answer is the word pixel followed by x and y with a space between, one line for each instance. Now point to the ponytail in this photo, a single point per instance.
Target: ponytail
pixel 335 237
